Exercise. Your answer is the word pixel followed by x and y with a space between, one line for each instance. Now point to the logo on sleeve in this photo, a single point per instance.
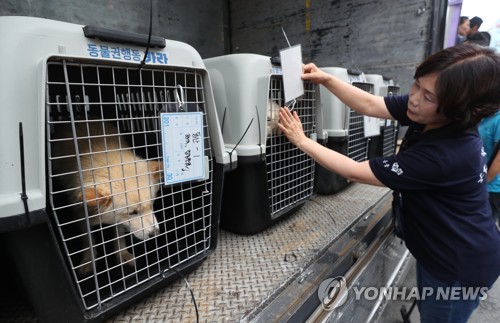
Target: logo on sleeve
pixel 483 174
pixel 396 169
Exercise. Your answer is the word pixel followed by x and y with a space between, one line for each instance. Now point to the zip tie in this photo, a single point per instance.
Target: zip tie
pixel 286 37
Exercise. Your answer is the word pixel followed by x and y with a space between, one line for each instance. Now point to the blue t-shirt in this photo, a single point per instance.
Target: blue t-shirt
pixel 489 129
pixel 447 222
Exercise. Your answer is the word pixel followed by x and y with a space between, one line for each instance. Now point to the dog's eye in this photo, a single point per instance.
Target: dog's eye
pixel 134 212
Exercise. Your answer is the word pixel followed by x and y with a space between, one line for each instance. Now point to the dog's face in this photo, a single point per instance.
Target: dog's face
pixel 273 113
pixel 124 195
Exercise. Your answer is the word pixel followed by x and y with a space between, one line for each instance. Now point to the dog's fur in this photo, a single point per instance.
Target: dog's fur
pixel 273 117
pixel 119 187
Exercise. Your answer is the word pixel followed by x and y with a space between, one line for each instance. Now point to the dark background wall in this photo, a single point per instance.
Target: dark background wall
pixel 386 37
pixel 198 23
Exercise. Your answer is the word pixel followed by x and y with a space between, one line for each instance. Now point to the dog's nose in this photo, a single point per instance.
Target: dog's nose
pixel 153 233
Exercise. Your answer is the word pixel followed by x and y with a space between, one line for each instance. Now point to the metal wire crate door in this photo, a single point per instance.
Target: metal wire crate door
pixel 85 96
pixel 357 143
pixel 290 172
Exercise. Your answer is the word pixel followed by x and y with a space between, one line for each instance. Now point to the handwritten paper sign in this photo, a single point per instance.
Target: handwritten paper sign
pixel 182 136
pixel 291 63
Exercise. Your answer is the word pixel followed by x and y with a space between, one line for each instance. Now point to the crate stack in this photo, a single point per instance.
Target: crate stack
pixel 386 143
pixel 273 178
pixel 345 128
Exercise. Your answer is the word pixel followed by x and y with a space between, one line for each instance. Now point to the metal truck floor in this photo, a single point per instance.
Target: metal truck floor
pixel 246 272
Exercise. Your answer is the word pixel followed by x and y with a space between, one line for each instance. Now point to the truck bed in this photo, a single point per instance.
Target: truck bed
pixel 247 272
pixel 272 275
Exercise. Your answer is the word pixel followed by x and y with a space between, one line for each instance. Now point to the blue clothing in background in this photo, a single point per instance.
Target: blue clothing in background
pixel 489 129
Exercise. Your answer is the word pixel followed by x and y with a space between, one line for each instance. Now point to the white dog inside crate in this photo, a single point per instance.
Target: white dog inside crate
pixel 273 113
pixel 119 187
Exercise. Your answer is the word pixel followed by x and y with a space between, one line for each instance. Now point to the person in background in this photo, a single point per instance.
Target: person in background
pixel 475 36
pixel 489 129
pixel 474 25
pixel 463 29
pixel 439 173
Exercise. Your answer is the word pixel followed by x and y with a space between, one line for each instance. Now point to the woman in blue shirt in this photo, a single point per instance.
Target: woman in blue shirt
pixel 439 172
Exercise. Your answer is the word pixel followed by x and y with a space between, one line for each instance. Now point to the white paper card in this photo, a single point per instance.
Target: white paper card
pixel 291 64
pixel 371 126
pixel 182 137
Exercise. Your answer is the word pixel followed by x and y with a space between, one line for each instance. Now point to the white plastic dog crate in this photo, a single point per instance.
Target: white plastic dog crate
pixel 385 144
pixel 345 128
pixel 91 220
pixel 273 177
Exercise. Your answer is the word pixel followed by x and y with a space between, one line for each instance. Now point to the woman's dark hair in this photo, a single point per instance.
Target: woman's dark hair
pixel 468 82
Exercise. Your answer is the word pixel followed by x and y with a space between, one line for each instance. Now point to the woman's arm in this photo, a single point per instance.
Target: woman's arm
pixel 355 98
pixel 359 172
pixel 494 168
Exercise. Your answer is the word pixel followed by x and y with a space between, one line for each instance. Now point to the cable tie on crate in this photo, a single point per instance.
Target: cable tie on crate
pixel 180 100
pixel 294 101
pixel 223 119
pixel 234 148
pixel 244 134
pixel 24 196
pixel 143 62
pixel 285 36
pixel 206 191
pixel 260 135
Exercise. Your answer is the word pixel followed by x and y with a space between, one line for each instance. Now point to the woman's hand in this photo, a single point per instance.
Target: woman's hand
pixel 311 72
pixel 360 172
pixel 291 127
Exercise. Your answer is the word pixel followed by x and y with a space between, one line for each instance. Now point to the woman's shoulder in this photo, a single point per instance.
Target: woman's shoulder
pixel 461 142
pixel 397 106
pixel 449 151
pixel 396 100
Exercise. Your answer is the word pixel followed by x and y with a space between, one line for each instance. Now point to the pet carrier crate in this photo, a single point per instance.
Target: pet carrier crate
pixel 384 144
pixel 101 199
pixel 273 178
pixel 345 128
pixel 392 87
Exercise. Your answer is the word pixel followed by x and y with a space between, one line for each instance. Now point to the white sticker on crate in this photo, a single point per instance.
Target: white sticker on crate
pixel 182 137
pixel 371 126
